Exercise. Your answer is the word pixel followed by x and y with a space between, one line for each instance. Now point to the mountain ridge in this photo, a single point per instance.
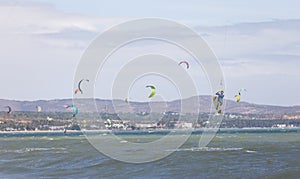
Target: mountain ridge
pixel 105 105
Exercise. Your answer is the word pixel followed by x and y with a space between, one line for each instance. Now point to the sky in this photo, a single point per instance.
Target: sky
pixel 257 44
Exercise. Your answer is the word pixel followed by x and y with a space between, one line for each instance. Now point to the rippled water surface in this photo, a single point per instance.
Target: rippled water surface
pixel 230 155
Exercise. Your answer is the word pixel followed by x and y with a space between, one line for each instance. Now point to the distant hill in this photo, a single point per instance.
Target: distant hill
pixel 86 105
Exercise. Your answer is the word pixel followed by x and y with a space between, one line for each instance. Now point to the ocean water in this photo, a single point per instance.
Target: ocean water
pixel 231 154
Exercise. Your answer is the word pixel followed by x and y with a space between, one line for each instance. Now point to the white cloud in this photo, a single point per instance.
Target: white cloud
pixel 36 63
pixel 43 22
pixel 253 38
pixel 256 48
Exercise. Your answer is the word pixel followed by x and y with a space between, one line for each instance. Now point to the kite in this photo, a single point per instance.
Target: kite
pixel 39 108
pixel 9 109
pixel 79 86
pixel 153 90
pixel 186 63
pixel 240 90
pixel 75 109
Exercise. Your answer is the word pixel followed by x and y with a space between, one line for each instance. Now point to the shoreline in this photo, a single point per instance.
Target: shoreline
pixel 197 130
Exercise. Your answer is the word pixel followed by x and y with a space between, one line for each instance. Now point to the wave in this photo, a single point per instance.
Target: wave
pixel 25 150
pixel 204 149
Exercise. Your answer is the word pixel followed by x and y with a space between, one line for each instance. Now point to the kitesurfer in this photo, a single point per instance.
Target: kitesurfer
pixel 238 96
pixel 220 95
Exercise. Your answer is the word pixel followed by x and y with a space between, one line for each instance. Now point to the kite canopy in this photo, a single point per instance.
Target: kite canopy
pixel 9 109
pixel 77 90
pixel 39 108
pixel 241 90
pixel 153 90
pixel 79 86
pixel 75 109
pixel 186 63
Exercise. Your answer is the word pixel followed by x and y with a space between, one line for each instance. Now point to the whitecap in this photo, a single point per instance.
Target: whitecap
pixel 204 149
pixel 251 151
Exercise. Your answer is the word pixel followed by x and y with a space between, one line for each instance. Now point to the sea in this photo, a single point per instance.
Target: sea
pixel 233 153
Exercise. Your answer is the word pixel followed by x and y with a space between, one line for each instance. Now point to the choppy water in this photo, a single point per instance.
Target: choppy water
pixel 230 155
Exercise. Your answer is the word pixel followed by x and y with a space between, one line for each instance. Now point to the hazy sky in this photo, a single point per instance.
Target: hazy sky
pixel 257 43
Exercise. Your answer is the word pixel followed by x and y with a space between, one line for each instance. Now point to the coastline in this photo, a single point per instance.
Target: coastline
pixel 150 132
